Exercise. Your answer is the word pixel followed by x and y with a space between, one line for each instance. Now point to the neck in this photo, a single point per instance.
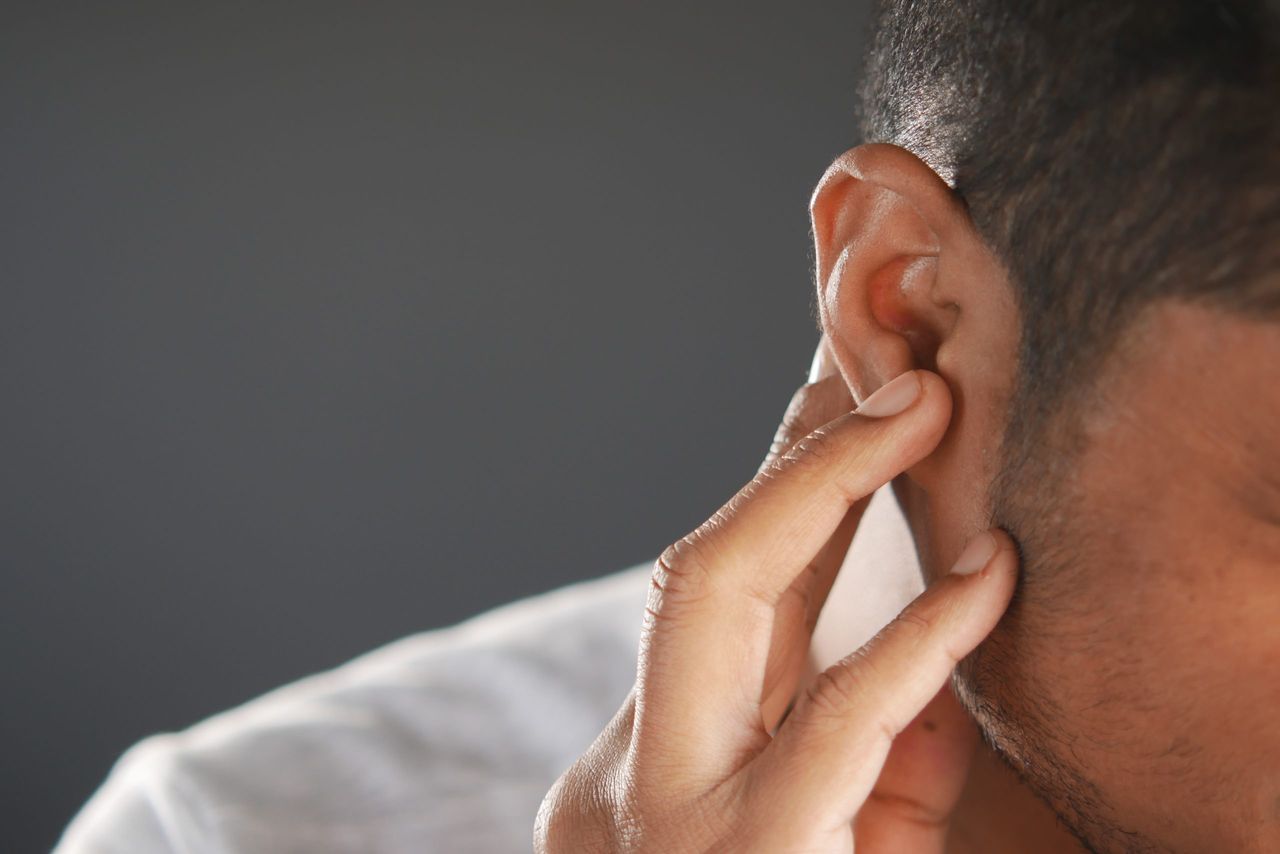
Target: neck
pixel 998 814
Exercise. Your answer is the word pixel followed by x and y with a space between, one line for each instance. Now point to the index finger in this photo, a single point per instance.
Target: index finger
pixel 714 593
pixel 823 398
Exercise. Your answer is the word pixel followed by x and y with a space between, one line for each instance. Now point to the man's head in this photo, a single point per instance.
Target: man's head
pixel 1077 223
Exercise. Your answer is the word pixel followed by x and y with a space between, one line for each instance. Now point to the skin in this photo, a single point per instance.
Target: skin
pixel 1133 682
pixel 875 749
pixel 1127 695
pixel 1148 649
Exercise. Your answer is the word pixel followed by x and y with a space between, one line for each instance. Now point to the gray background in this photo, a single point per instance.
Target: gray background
pixel 325 324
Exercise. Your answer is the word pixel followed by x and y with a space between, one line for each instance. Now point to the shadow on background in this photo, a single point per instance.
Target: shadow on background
pixel 327 324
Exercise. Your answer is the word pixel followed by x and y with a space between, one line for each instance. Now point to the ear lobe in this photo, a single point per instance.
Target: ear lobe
pixel 881 221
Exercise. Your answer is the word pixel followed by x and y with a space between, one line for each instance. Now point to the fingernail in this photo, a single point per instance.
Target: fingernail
pixel 977 554
pixel 892 397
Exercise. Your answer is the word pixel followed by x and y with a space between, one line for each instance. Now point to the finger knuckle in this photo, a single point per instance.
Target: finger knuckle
pixel 833 692
pixel 813 449
pixel 615 807
pixel 916 623
pixel 612 800
pixel 682 573
pixel 574 817
pixel 603 803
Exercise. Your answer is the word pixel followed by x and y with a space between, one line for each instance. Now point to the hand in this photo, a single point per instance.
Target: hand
pixel 703 755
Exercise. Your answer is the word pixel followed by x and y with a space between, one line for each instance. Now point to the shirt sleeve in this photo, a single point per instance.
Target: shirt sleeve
pixel 445 741
pixel 141 808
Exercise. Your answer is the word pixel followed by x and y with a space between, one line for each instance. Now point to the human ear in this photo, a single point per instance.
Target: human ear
pixel 899 266
pixel 906 281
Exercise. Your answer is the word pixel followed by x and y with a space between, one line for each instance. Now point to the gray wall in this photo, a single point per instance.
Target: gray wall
pixel 325 324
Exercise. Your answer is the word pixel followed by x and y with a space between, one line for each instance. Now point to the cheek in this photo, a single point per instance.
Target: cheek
pixel 1053 690
pixel 1113 682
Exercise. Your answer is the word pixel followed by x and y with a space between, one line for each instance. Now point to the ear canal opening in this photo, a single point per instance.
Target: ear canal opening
pixel 899 302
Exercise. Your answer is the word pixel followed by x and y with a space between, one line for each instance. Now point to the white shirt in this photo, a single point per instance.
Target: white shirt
pixel 442 742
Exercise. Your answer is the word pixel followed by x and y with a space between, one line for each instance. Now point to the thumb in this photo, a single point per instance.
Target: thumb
pixel 910 807
pixel 829 754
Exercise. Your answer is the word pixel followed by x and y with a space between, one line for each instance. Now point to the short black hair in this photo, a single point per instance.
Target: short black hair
pixel 1110 152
